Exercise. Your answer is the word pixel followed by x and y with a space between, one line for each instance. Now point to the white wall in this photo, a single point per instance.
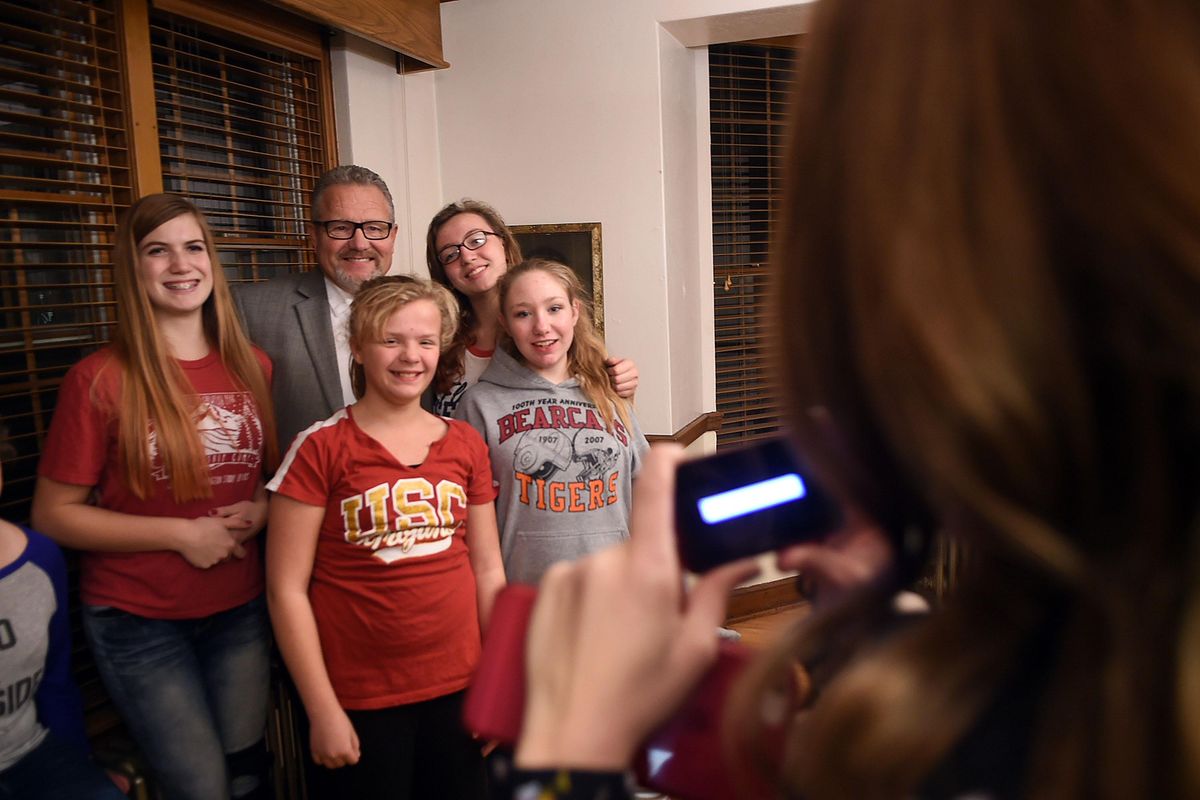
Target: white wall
pixel 578 111
pixel 557 111
pixel 574 111
pixel 387 122
pixel 550 111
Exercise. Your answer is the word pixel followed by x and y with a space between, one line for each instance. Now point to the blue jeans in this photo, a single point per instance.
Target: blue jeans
pixel 56 770
pixel 193 693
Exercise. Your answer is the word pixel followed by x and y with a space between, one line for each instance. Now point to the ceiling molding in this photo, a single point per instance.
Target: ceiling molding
pixel 766 23
pixel 410 28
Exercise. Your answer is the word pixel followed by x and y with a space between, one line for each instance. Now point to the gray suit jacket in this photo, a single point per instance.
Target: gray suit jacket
pixel 288 317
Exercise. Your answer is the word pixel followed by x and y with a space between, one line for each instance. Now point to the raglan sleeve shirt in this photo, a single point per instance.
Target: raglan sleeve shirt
pixel 36 688
pixel 391 587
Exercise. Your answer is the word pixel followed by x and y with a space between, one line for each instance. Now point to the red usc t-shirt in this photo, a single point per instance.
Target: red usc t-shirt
pixel 392 588
pixel 81 449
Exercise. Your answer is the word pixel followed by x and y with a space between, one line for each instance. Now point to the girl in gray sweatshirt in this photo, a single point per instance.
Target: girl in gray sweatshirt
pixel 564 447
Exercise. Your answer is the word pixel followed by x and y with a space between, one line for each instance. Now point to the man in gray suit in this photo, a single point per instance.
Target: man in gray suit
pixel 294 318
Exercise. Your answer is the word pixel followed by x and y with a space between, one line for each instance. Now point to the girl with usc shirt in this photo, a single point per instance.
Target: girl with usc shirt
pixel 384 562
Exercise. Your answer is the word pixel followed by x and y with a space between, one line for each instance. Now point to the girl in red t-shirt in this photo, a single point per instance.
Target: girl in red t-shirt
pixel 154 469
pixel 384 561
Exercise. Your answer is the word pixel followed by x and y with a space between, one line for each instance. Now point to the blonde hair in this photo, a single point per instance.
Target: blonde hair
pixel 379 298
pixel 989 262
pixel 586 355
pixel 153 387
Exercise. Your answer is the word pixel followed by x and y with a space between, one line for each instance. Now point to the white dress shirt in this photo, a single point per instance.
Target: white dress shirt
pixel 339 318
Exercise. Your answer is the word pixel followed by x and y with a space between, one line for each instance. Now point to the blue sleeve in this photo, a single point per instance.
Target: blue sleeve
pixel 59 705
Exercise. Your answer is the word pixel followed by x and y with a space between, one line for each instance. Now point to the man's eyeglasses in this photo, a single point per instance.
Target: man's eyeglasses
pixel 344 228
pixel 475 240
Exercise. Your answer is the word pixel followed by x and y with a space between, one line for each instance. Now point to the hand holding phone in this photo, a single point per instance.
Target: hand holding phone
pixel 618 645
pixel 747 501
pixel 682 758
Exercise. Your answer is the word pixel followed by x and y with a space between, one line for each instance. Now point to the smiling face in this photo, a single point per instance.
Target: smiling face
pixel 349 262
pixel 474 272
pixel 400 362
pixel 541 321
pixel 175 267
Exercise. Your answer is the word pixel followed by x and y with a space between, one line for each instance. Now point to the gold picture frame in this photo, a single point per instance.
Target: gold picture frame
pixel 576 244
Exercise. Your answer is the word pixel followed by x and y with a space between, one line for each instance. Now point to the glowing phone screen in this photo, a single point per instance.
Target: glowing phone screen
pixel 751 498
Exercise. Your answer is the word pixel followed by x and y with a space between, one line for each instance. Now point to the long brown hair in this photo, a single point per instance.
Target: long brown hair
pixel 586 355
pixel 153 387
pixel 989 259
pixel 450 366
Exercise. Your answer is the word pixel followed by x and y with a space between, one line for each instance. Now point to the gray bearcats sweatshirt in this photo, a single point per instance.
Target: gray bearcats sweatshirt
pixel 564 481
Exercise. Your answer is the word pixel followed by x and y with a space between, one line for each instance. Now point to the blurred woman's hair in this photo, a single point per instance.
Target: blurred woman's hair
pixel 989 260
pixel 153 386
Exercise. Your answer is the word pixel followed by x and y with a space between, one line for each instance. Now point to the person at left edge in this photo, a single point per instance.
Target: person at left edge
pixel 43 746
pixel 170 429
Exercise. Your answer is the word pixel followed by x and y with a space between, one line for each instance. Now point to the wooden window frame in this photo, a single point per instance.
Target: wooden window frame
pixel 252 21
pixel 56 259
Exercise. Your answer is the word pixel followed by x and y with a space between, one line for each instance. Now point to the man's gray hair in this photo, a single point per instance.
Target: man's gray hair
pixel 354 175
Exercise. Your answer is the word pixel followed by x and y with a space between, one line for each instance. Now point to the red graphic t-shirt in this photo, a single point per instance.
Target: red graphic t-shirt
pixel 81 450
pixel 392 588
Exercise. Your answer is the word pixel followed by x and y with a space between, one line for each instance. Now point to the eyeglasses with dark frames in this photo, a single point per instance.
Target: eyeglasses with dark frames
pixel 473 241
pixel 373 229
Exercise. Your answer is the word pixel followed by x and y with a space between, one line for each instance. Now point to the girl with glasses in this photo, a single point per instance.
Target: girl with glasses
pixel 468 248
pixel 384 563
pixel 564 446
pixel 153 467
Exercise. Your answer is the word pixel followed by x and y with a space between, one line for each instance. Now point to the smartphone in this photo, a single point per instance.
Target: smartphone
pixel 747 501
pixel 683 758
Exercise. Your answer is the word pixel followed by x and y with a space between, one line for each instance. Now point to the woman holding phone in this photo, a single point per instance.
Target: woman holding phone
pixel 989 258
